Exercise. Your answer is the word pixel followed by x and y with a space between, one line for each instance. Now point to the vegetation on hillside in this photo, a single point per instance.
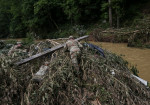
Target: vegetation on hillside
pixel 136 35
pixel 48 18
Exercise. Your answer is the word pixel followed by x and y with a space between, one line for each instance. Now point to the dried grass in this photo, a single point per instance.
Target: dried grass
pixel 63 85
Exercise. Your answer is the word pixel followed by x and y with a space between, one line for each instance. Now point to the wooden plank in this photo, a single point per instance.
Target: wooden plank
pixel 23 61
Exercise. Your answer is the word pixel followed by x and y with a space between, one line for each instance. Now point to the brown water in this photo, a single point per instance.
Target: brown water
pixel 135 56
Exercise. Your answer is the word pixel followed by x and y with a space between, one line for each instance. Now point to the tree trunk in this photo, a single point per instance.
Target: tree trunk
pixel 110 13
pixel 118 21
pixel 53 21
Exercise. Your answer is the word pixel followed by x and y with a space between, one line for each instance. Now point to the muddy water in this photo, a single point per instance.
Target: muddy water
pixel 135 56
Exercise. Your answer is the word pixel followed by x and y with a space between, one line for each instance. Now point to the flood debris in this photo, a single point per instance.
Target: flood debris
pixel 40 74
pixel 137 35
pixel 49 51
pixel 102 80
pixel 141 80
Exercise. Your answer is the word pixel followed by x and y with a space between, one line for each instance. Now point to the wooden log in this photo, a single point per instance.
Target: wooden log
pixel 23 61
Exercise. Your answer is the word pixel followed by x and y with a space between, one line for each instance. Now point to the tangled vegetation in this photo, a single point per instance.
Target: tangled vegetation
pixel 141 36
pixel 100 80
pixel 137 35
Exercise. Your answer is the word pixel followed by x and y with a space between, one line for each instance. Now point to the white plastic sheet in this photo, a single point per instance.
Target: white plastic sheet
pixel 42 70
pixel 141 80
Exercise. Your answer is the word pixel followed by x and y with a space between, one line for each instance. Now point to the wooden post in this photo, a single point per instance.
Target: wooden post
pixel 110 13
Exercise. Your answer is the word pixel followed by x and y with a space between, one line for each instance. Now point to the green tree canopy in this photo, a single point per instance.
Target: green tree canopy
pixel 18 17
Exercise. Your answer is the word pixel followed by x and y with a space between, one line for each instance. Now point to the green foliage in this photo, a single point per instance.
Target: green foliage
pixel 18 17
pixel 134 70
pixel 147 46
pixel 104 9
pixel 4 18
pixel 71 9
pixel 28 15
pixel 117 7
pixel 16 25
pixel 10 41
pixel 141 36
pixel 67 30
pixel 148 85
pixel 29 39
pixel 79 29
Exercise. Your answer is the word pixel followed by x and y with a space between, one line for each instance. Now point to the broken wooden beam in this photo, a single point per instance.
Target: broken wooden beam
pixel 23 61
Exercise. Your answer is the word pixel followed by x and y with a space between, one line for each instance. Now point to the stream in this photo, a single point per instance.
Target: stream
pixel 135 56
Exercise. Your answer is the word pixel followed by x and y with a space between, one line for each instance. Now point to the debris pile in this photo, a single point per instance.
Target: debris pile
pixel 111 35
pixel 137 35
pixel 106 81
pixel 141 36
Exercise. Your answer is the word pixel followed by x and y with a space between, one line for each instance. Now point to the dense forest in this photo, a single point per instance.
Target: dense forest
pixel 42 17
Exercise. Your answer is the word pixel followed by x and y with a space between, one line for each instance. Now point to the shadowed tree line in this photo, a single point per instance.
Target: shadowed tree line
pixel 18 17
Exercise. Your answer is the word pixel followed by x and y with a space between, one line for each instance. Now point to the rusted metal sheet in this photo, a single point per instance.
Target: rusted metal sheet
pixel 23 61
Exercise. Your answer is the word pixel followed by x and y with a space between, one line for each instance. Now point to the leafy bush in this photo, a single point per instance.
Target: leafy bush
pixel 10 41
pixel 29 39
pixel 79 29
pixel 147 45
pixel 134 70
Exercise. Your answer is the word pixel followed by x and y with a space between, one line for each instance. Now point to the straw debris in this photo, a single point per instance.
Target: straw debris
pixel 63 85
